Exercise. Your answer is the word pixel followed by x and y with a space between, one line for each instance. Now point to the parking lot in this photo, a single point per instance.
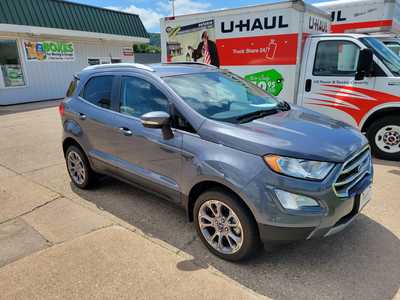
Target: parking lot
pixel 118 241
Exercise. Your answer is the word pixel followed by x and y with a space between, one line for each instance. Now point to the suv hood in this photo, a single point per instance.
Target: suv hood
pixel 299 133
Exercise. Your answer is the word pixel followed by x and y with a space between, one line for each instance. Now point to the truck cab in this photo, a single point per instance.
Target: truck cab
pixel 356 79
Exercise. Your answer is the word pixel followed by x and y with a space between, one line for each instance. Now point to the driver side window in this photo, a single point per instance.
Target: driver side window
pixel 336 58
pixel 139 97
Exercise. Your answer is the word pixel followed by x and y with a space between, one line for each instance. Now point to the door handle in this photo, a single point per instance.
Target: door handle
pixel 82 116
pixel 125 131
pixel 308 85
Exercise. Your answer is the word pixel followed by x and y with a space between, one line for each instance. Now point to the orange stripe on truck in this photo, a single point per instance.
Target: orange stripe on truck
pixel 341 28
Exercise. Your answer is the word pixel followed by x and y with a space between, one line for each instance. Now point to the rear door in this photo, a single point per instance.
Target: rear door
pixel 93 113
pixel 330 86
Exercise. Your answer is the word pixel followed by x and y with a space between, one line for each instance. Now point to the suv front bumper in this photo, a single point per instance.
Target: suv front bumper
pixel 276 223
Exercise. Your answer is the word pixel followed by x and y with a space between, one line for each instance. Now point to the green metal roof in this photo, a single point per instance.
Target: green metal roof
pixel 72 16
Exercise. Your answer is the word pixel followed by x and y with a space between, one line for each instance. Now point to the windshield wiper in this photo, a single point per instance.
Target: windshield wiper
pixel 256 115
pixel 283 106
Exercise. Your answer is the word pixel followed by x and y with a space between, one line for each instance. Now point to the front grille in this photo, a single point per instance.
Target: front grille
pixel 353 170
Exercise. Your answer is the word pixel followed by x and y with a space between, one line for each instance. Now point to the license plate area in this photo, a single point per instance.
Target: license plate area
pixel 364 198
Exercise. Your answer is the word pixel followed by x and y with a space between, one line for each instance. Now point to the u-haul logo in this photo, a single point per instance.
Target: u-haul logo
pixel 257 24
pixel 316 24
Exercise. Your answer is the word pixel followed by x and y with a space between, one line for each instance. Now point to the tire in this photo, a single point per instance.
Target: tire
pixel 384 138
pixel 74 156
pixel 242 241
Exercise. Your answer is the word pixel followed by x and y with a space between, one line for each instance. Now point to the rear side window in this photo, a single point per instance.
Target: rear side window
pixel 72 87
pixel 98 91
pixel 336 58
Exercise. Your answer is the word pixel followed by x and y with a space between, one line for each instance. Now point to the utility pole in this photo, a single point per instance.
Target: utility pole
pixel 173 7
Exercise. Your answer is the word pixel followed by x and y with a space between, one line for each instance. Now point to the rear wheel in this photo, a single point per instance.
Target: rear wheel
pixel 225 226
pixel 78 168
pixel 384 137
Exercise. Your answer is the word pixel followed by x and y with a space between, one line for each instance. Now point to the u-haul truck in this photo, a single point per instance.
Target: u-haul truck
pixel 379 18
pixel 286 49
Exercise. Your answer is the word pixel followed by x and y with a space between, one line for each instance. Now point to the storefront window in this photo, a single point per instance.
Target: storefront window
pixel 103 60
pixel 10 64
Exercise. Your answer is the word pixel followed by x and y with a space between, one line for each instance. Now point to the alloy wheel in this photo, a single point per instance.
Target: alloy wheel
pixel 220 226
pixel 76 167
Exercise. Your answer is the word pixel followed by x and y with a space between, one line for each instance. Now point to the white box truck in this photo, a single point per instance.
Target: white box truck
pixel 286 49
pixel 379 18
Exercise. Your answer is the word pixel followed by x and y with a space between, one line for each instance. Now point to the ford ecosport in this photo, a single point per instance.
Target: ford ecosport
pixel 246 167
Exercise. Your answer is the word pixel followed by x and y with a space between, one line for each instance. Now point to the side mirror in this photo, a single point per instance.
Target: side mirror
pixel 365 63
pixel 160 120
pixel 155 119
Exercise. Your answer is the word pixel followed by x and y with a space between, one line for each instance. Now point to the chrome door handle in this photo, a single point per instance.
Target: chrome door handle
pixel 125 131
pixel 82 116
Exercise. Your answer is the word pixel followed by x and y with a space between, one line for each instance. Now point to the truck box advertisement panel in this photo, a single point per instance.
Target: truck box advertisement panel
pixel 260 50
pixel 266 42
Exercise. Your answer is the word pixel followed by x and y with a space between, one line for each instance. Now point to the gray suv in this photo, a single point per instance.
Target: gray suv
pixel 246 167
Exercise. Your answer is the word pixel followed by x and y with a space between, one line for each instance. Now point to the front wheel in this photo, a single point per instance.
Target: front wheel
pixel 384 138
pixel 225 226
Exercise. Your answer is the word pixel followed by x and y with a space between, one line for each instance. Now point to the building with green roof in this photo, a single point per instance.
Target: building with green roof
pixel 44 42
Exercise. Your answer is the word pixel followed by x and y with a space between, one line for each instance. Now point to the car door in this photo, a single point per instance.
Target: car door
pixel 145 156
pixel 93 113
pixel 330 86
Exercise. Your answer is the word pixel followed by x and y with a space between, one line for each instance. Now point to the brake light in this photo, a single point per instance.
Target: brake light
pixel 61 109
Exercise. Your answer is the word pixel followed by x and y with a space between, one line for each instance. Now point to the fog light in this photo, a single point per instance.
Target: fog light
pixel 294 201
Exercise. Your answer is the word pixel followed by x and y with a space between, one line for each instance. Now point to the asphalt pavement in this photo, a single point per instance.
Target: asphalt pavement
pixel 119 242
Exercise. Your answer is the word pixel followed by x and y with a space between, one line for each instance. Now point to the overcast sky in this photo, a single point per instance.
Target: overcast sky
pixel 150 11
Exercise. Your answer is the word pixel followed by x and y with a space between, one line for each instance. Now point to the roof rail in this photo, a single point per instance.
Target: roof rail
pixel 120 65
pixel 190 63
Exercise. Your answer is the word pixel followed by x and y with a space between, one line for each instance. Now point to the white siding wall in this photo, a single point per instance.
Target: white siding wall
pixel 50 79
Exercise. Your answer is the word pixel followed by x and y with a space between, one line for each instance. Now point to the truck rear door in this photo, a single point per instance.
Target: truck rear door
pixel 329 85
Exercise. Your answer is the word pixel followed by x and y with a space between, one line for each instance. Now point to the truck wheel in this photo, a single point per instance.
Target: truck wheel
pixel 225 226
pixel 384 138
pixel 78 167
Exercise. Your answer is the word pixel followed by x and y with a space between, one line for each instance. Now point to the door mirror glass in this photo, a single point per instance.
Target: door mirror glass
pixel 365 62
pixel 156 119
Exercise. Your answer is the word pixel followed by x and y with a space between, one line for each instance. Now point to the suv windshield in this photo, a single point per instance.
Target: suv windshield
pixel 388 57
pixel 224 96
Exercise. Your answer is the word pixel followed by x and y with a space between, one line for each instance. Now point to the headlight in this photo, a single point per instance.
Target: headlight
pixel 295 201
pixel 300 168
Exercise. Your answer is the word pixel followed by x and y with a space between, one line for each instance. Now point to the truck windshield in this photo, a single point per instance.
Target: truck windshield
pixel 388 57
pixel 394 46
pixel 224 96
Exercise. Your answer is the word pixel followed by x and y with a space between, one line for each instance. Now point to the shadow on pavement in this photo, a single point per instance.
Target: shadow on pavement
pixel 359 263
pixel 16 108
pixel 387 163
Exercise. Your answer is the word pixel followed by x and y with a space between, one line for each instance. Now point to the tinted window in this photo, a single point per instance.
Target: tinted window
pixel 98 91
pixel 336 58
pixel 72 87
pixel 179 122
pixel 139 97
